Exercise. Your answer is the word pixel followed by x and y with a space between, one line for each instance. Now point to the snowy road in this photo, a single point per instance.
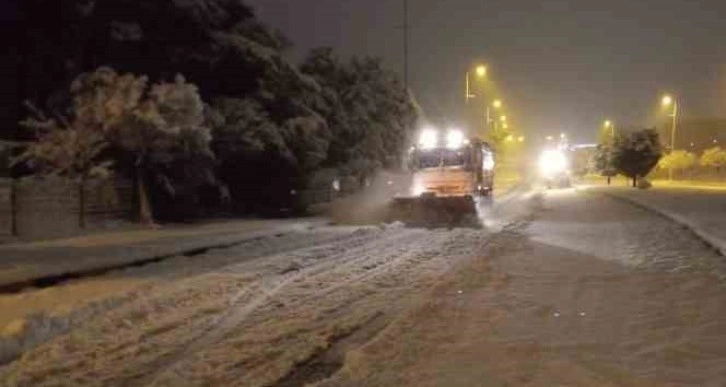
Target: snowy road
pixel 562 288
pixel 253 314
pixel 589 292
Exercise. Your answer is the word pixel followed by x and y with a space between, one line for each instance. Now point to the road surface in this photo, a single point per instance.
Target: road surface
pixel 561 288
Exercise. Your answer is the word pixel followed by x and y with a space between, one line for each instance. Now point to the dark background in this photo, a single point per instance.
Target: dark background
pixel 560 65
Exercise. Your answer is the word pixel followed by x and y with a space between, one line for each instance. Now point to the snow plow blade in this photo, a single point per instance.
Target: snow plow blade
pixel 431 212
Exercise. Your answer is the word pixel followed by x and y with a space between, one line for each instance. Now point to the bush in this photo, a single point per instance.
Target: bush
pixel 713 157
pixel 677 160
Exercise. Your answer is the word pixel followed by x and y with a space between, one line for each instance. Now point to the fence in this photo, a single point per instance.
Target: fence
pixel 33 208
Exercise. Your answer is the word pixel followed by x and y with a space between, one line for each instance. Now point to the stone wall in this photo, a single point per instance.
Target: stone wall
pixel 6 209
pixel 50 207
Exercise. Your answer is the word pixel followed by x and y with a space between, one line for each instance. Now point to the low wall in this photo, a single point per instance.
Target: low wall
pixel 50 207
pixel 6 209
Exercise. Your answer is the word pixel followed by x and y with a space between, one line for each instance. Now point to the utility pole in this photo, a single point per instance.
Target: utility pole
pixel 405 44
pixel 669 101
pixel 675 123
pixel 673 135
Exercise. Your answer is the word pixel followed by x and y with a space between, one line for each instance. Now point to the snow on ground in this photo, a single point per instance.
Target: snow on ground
pixel 27 261
pixel 34 316
pixel 551 303
pixel 616 230
pixel 572 288
pixel 701 208
pixel 245 315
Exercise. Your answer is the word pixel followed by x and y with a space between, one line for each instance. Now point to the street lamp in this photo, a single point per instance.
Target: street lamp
pixel 497 104
pixel 668 101
pixel 481 73
pixel 521 139
pixel 503 118
pixel 611 125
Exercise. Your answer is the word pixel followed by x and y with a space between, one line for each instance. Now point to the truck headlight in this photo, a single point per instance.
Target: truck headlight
pixel 417 189
pixel 428 139
pixel 455 139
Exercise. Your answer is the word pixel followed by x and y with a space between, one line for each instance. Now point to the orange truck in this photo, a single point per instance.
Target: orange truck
pixel 446 179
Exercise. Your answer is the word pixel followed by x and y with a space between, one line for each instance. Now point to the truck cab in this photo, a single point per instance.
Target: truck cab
pixel 466 170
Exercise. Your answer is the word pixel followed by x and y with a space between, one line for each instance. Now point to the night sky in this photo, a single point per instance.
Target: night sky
pixel 560 65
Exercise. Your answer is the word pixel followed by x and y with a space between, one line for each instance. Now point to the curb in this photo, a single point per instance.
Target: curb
pixel 717 243
pixel 52 279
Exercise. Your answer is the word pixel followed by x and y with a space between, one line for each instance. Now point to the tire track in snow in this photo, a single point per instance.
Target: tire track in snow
pixel 390 261
pixel 272 284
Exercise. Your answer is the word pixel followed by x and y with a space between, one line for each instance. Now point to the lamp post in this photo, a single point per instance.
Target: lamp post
pixel 497 104
pixel 481 73
pixel 610 125
pixel 669 101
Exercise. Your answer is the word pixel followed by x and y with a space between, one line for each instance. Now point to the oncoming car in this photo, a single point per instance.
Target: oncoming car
pixel 554 168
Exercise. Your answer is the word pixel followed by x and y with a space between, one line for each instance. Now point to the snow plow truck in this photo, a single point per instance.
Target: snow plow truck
pixel 447 176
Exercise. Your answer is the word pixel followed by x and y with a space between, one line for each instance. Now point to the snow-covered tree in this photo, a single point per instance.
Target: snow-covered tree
pixel 677 161
pixel 605 159
pixel 220 39
pixel 370 114
pixel 637 153
pixel 713 158
pixel 149 127
pixel 605 153
pixel 65 147
pixel 357 117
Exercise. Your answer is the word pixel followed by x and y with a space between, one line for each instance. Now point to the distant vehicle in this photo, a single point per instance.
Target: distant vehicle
pixel 446 178
pixel 554 168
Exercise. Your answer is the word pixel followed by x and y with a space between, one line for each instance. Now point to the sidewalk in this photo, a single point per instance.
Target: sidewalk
pixel 694 184
pixel 700 209
pixel 620 181
pixel 38 263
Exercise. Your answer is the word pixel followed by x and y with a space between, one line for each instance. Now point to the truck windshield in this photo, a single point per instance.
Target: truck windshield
pixel 455 158
pixel 429 159
pixel 436 158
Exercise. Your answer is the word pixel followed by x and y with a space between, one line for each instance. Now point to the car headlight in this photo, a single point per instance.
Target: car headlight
pixel 552 162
